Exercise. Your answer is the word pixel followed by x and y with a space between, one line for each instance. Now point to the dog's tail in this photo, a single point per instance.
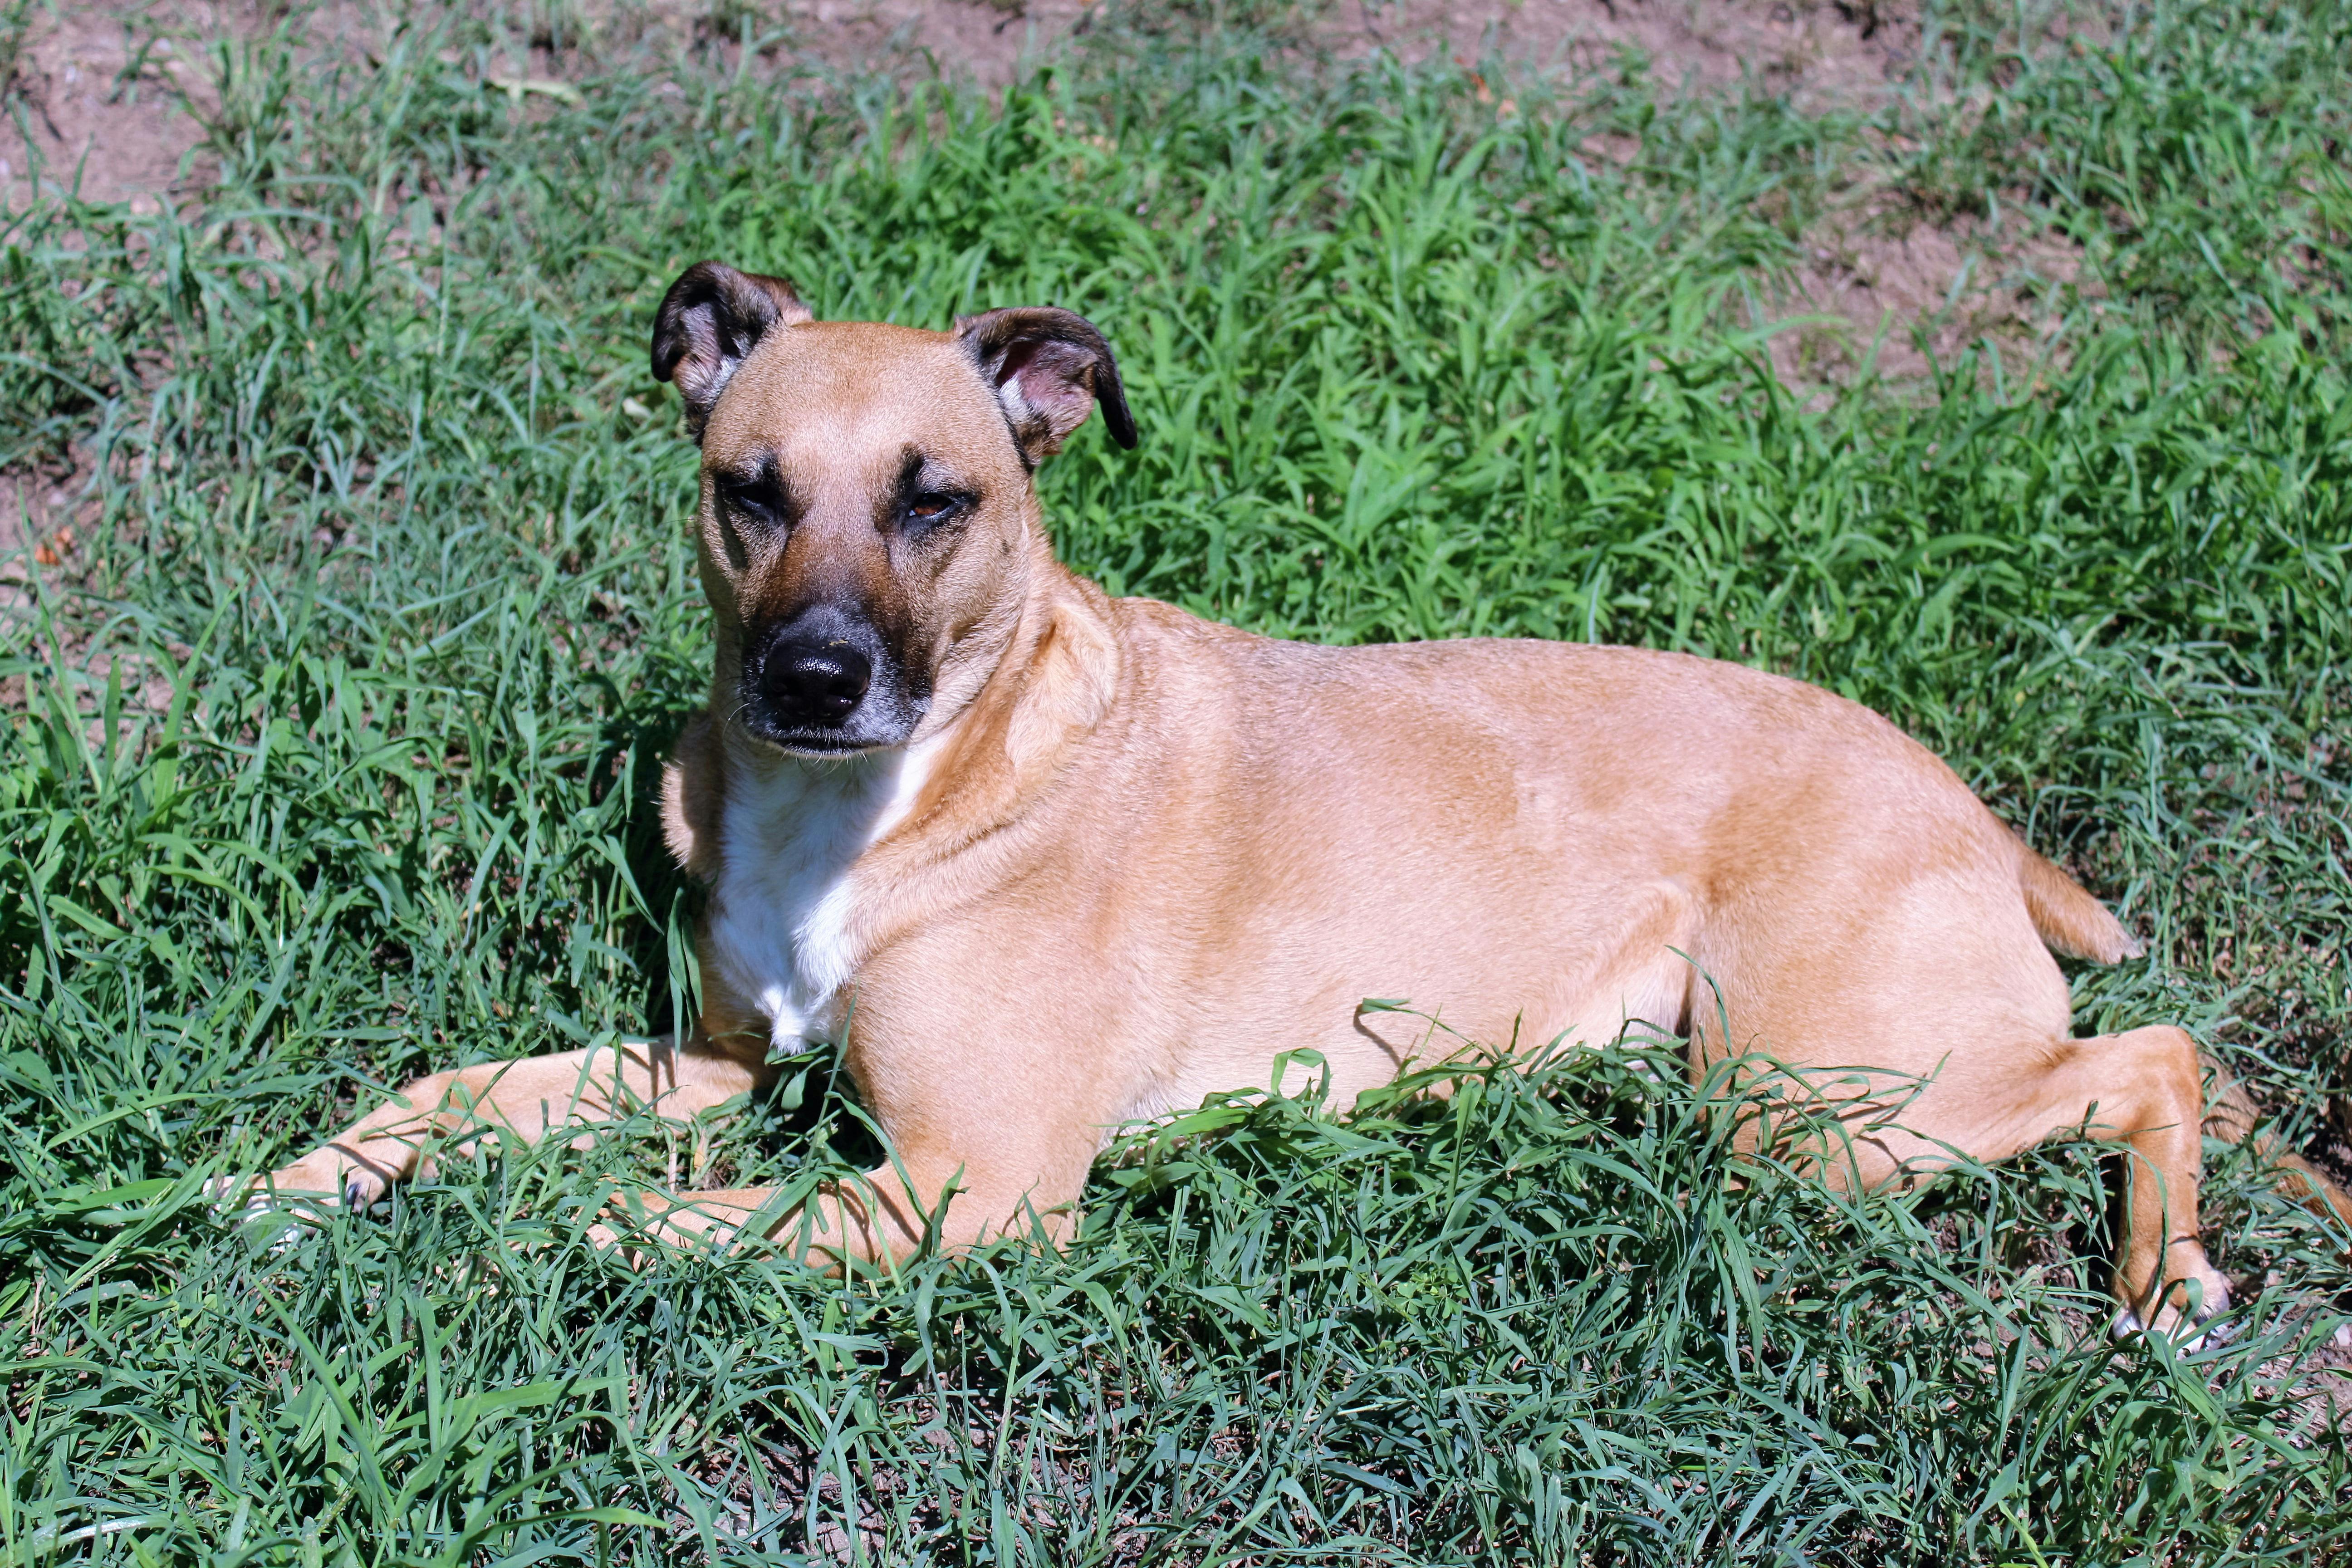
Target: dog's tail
pixel 2067 918
pixel 2233 1117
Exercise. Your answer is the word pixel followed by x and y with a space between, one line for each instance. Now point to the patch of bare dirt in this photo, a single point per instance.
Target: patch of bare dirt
pixel 95 100
pixel 46 516
pixel 109 94
pixel 984 41
pixel 1823 56
pixel 1888 290
pixel 37 514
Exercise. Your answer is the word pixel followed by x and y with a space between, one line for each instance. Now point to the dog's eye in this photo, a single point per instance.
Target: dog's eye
pixel 753 503
pixel 933 507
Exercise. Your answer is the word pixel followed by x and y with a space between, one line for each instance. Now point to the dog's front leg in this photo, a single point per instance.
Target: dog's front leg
pixel 886 1218
pixel 526 1099
pixel 978 1153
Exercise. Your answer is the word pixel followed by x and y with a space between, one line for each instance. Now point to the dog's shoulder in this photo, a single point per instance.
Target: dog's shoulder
pixel 693 794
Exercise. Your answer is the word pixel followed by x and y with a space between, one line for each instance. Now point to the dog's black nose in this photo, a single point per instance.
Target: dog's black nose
pixel 812 684
pixel 817 683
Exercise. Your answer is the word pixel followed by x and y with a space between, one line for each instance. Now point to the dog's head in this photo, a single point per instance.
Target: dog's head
pixel 868 519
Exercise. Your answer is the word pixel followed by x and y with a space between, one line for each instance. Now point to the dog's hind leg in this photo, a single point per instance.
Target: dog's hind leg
pixel 528 1098
pixel 2143 1090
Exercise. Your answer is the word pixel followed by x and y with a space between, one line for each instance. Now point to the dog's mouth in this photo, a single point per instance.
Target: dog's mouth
pixel 876 726
pixel 807 745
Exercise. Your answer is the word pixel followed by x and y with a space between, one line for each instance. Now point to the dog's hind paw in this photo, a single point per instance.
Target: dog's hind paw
pixel 2191 1330
pixel 2187 1337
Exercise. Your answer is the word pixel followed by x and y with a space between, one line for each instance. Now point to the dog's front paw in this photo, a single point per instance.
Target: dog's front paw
pixel 604 1238
pixel 638 1238
pixel 324 1178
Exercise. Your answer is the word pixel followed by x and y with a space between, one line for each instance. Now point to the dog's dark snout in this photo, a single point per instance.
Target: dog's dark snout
pixel 816 683
pixel 823 682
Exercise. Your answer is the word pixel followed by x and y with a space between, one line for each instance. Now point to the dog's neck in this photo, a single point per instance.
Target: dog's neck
pixel 1052 685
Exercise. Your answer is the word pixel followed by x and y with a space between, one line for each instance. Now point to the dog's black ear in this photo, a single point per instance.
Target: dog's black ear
pixel 708 322
pixel 1047 367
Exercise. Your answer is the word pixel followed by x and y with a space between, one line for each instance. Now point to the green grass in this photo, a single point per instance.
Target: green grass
pixel 328 756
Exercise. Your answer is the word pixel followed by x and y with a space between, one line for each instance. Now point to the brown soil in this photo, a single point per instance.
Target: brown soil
pixel 100 84
pixel 1879 285
pixel 110 96
pixel 109 93
pixel 95 103
pixel 1822 55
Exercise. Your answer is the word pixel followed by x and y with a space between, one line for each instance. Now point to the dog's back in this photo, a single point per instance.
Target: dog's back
pixel 1523 839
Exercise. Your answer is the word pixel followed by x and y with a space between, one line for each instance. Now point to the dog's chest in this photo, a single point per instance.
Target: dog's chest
pixel 790 837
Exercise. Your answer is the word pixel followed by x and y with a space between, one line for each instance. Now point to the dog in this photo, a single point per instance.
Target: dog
pixel 1056 862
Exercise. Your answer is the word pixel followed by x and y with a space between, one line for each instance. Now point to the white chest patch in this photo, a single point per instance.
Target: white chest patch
pixel 779 915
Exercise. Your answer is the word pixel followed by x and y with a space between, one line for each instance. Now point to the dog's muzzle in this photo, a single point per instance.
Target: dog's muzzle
pixel 823 682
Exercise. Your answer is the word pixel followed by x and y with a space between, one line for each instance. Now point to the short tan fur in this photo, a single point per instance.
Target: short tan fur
pixel 1080 860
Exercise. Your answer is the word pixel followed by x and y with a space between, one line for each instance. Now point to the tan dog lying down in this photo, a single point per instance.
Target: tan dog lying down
pixel 1080 860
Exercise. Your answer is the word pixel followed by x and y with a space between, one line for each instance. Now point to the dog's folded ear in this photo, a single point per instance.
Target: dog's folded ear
pixel 708 321
pixel 1047 367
